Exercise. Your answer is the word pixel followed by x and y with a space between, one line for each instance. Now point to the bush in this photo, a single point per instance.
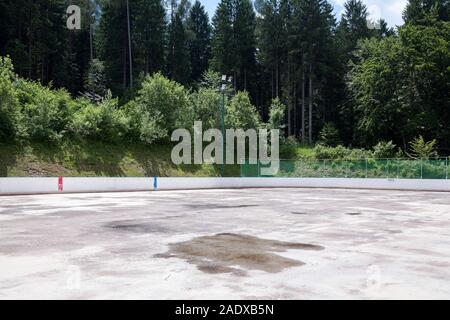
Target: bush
pixel 322 152
pixel 276 115
pixel 205 106
pixel 385 150
pixel 160 106
pixel 11 120
pixel 241 114
pixel 422 149
pixel 47 112
pixel 101 122
pixel 329 135
pixel 95 82
pixel 142 127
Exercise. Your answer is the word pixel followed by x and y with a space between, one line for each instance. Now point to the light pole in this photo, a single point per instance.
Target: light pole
pixel 223 88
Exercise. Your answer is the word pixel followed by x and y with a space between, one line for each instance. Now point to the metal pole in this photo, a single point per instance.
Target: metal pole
pixel 367 174
pixel 223 133
pixel 446 168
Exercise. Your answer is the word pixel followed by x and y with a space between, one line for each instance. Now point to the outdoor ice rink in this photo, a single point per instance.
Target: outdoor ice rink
pixel 226 244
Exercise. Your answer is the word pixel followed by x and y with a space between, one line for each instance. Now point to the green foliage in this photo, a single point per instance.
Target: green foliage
pixel 11 122
pixel 241 113
pixel 329 135
pixel 160 104
pixel 277 115
pixel 199 38
pixel 47 112
pixel 385 150
pixel 400 85
pixel 233 41
pixel 205 106
pixel 178 62
pixel 422 149
pixel 95 83
pixel 102 122
pixel 339 153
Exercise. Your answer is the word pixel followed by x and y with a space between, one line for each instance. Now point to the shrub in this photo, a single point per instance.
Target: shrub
pixel 241 114
pixel 322 152
pixel 95 82
pixel 47 112
pixel 11 120
pixel 276 115
pixel 160 106
pixel 385 150
pixel 205 106
pixel 329 135
pixel 142 127
pixel 422 149
pixel 102 122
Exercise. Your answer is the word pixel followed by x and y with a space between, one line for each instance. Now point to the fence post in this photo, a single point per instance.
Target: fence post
pixel 259 170
pixel 421 169
pixel 446 168
pixel 367 173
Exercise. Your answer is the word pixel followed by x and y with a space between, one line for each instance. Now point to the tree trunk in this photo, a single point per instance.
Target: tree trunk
pixel 310 104
pixel 129 45
pixel 289 93
pixel 303 108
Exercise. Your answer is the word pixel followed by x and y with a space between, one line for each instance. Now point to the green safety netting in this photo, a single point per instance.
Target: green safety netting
pixel 367 168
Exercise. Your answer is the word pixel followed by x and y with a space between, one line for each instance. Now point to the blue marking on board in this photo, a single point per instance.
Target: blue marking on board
pixel 155 183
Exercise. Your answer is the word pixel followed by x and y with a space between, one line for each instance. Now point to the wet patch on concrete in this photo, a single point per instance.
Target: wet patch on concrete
pixel 235 253
pixel 210 206
pixel 135 226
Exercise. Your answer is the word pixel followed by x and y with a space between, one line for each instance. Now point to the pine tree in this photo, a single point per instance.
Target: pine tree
pixel 199 38
pixel 351 29
pixel 419 11
pixel 113 45
pixel 234 41
pixel 312 25
pixel 178 61
pixel 272 40
pixel 149 33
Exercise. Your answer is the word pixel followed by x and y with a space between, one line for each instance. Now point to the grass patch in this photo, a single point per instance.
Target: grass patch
pixel 92 159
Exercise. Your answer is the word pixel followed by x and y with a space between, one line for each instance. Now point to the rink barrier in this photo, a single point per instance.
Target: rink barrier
pixel 19 186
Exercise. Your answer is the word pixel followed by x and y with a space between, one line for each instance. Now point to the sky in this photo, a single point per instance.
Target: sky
pixel 389 10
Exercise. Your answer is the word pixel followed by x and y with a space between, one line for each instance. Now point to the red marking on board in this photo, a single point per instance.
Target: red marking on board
pixel 60 184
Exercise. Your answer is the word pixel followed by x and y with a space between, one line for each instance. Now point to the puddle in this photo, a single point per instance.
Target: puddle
pixel 234 253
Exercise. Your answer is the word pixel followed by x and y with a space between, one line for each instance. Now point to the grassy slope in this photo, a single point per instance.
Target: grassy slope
pixel 112 160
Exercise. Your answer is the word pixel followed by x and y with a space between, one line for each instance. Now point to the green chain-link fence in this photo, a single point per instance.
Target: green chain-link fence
pixel 366 168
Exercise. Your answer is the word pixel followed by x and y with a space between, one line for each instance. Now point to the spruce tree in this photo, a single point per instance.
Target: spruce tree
pixel 199 38
pixel 178 64
pixel 421 11
pixel 149 35
pixel 234 41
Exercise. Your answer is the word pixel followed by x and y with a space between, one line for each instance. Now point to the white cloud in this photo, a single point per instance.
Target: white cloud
pixel 389 10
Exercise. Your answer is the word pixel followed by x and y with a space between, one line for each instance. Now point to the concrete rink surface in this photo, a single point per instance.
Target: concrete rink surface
pixel 226 244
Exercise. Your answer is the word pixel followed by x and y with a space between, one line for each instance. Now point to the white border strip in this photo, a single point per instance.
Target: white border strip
pixel 16 186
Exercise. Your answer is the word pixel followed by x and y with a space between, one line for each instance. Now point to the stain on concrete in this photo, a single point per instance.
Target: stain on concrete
pixel 234 253
pixel 210 206
pixel 134 226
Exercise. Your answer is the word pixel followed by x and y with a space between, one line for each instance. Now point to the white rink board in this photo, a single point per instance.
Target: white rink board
pixel 12 186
